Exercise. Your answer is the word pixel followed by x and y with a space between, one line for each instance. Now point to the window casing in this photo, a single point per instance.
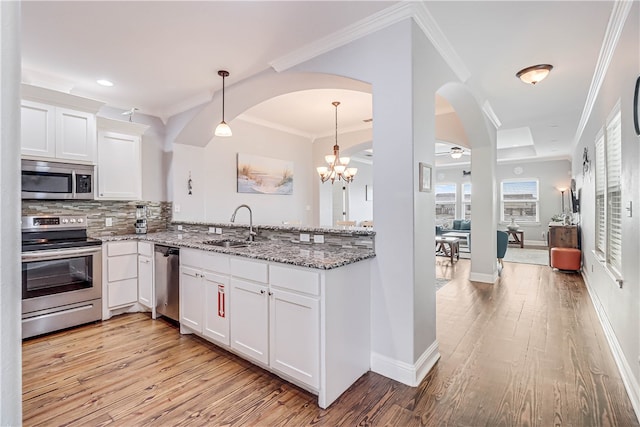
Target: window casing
pixel 445 202
pixel 519 199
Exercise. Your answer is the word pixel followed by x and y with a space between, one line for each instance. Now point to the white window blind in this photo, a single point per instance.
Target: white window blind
pixel 601 179
pixel 614 191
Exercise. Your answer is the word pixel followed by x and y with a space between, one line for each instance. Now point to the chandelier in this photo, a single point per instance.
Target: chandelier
pixel 337 166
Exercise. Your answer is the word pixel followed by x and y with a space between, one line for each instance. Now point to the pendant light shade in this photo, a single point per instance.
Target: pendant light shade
pixel 223 128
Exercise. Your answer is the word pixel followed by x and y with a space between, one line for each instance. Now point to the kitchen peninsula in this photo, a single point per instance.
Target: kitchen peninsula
pixel 295 301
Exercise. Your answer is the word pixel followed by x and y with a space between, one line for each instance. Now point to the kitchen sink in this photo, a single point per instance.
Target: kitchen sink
pixel 226 243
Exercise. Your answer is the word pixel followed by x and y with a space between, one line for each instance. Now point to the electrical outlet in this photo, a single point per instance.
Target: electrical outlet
pixel 108 222
pixel 179 228
pixel 212 229
pixel 318 238
pixel 218 230
pixel 304 237
pixel 176 208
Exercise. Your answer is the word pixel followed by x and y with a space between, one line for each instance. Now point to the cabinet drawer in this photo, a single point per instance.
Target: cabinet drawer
pixel 192 257
pixel 123 292
pixel 252 270
pixel 215 262
pixel 122 248
pixel 122 267
pixel 295 279
pixel 145 248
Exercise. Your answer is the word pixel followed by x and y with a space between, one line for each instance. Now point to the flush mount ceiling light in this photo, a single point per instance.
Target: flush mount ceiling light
pixel 104 82
pixel 223 128
pixel 534 74
pixel 456 152
pixel 337 168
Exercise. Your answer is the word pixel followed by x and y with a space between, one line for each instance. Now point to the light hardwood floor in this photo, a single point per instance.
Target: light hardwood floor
pixel 527 351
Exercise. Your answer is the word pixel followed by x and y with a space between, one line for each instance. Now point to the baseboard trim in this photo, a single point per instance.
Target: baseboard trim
pixel 483 278
pixel 630 382
pixel 406 373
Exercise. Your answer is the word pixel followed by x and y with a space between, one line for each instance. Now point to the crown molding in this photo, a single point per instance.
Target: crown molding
pixel 614 29
pixel 389 16
pixel 275 126
pixel 357 30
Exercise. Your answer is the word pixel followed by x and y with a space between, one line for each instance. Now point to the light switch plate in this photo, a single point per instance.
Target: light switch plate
pixel 318 238
pixel 218 230
pixel 212 229
pixel 176 208
pixel 108 222
pixel 304 237
pixel 179 228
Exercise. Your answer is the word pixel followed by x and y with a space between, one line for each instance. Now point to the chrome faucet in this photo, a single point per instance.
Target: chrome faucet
pixel 252 234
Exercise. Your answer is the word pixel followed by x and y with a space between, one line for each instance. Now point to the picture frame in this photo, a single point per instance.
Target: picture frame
pixel 636 107
pixel 368 193
pixel 425 177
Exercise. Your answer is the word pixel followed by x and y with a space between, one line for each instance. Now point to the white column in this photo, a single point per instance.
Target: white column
pixel 10 326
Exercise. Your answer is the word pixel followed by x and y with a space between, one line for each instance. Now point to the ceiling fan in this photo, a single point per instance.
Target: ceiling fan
pixel 455 152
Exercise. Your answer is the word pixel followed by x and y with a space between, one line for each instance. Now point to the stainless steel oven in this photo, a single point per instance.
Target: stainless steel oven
pixel 61 274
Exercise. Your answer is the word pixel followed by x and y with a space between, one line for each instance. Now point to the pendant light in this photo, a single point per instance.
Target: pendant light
pixel 223 128
pixel 337 166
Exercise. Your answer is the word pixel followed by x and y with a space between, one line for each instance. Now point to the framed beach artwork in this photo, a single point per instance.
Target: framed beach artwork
pixel 264 175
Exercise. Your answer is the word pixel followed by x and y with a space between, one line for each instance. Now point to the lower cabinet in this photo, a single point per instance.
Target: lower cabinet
pixel 309 326
pixel 121 273
pixel 250 319
pixel 145 274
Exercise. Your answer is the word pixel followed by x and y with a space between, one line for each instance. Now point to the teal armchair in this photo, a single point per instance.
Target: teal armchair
pixel 503 241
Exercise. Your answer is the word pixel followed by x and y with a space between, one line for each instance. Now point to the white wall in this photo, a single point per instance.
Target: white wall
pixel 617 306
pixel 360 209
pixel 550 174
pixel 213 171
pixel 10 326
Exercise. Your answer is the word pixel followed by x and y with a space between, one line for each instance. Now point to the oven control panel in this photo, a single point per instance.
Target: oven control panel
pixel 50 222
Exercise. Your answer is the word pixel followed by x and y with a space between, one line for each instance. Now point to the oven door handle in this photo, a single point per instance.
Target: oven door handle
pixel 57 254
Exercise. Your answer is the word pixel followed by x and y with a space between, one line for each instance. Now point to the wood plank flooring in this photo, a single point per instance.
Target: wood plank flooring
pixel 527 351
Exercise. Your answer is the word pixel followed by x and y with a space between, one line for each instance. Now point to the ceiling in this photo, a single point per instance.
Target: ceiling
pixel 163 58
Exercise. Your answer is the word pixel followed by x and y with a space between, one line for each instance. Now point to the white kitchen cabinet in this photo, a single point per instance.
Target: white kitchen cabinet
pixel 216 308
pixel 58 125
pixel 121 273
pixel 191 298
pixel 145 274
pixel 250 319
pixel 119 160
pixel 204 294
pixel 294 336
pixel 50 132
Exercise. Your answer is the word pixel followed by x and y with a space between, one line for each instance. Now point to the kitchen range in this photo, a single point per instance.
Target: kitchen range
pixel 61 274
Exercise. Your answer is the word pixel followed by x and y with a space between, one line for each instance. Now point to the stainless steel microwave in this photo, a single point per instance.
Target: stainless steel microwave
pixel 56 180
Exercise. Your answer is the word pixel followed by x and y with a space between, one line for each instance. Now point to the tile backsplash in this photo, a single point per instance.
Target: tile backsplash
pixel 122 213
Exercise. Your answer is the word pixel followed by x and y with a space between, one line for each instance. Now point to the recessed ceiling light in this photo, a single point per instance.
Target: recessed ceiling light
pixel 104 82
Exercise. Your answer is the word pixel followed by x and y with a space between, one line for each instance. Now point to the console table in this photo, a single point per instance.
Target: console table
pixel 518 237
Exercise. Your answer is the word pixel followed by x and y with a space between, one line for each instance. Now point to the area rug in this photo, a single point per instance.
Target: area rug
pixel 522 256
pixel 440 283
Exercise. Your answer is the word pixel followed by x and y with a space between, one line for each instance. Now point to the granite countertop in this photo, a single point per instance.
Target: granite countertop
pixel 303 255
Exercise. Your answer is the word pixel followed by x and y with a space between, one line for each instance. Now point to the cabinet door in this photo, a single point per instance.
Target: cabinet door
pixel 249 320
pixel 37 137
pixel 191 298
pixel 294 334
pixel 145 281
pixel 75 135
pixel 216 308
pixel 119 166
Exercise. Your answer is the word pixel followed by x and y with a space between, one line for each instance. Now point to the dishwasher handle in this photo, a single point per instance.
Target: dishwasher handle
pixel 167 251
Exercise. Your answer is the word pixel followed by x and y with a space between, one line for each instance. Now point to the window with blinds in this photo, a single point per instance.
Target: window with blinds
pixel 614 191
pixel 609 192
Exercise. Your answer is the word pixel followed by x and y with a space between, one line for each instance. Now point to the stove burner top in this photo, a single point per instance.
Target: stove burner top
pixel 45 244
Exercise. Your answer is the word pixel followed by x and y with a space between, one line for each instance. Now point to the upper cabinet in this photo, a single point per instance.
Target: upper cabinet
pixel 119 159
pixel 57 125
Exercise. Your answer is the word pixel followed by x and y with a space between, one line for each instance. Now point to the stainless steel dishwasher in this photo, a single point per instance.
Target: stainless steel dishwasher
pixel 167 281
